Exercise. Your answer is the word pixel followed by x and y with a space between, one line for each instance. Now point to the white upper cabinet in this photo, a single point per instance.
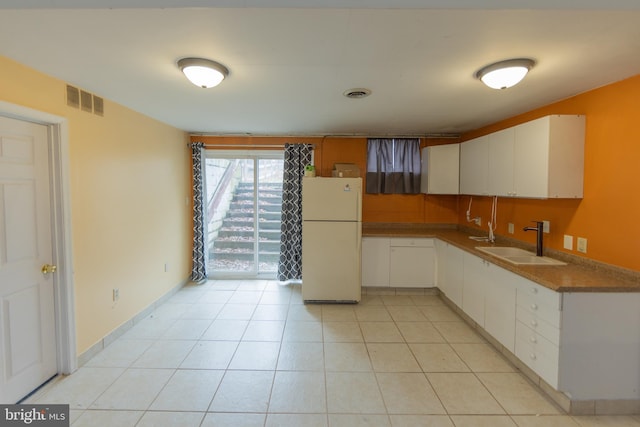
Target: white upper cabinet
pixel 440 169
pixel 501 165
pixel 474 166
pixel 540 159
pixel 549 157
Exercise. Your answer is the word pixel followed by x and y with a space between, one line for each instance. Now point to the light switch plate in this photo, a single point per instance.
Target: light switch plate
pixel 511 228
pixel 568 242
pixel 582 245
pixel 546 226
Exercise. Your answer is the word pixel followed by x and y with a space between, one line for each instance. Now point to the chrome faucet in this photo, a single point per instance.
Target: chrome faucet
pixel 539 229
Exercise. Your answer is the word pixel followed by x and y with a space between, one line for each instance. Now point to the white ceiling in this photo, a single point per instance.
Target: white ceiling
pixel 290 65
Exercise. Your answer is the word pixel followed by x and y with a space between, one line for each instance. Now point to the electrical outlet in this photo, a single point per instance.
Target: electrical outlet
pixel 582 245
pixel 116 294
pixel 568 242
pixel 478 221
pixel 511 228
pixel 546 226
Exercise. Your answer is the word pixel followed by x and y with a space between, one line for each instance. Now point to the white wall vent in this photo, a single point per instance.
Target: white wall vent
pixel 98 105
pixel 86 101
pixel 73 97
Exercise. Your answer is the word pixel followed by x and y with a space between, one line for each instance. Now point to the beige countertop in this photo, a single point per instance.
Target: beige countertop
pixel 579 275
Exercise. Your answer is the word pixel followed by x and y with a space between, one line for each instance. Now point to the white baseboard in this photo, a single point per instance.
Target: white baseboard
pixel 120 330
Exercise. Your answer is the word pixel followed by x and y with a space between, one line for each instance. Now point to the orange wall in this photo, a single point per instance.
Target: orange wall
pixel 414 208
pixel 608 215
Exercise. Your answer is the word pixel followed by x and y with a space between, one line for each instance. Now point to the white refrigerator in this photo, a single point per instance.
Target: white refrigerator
pixel 331 239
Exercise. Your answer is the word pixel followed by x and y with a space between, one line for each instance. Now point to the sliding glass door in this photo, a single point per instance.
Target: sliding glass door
pixel 244 200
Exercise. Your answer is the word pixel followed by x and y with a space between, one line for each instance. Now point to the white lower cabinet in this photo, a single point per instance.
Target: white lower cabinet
pixel 375 261
pixel 412 263
pixel 538 353
pixel 489 298
pixel 600 346
pixel 584 344
pixel 521 315
pixel 538 329
pixel 398 262
pixel 476 276
pixel 450 271
pixel 500 306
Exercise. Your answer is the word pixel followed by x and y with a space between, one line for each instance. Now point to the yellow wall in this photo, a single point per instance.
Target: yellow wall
pixel 608 214
pixel 130 180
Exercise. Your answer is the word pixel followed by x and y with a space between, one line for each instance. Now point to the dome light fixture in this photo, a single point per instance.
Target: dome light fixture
pixel 357 93
pixel 504 74
pixel 203 73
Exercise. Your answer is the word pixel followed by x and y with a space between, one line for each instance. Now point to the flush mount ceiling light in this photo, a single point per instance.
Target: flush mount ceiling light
pixel 504 74
pixel 203 72
pixel 357 93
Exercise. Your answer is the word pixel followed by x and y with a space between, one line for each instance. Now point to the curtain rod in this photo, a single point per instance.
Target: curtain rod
pixel 250 145
pixel 345 135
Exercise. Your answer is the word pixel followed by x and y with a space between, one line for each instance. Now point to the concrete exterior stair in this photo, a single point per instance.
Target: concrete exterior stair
pixel 236 237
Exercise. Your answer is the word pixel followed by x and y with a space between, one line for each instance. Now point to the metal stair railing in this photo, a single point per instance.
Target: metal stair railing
pixel 221 188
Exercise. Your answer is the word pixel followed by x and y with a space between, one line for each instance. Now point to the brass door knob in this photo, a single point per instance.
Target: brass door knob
pixel 48 268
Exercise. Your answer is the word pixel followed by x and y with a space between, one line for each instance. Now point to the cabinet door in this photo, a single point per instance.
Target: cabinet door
pixel 501 169
pixel 500 306
pixel 474 287
pixel 474 166
pixel 531 159
pixel 453 274
pixel 375 261
pixel 441 255
pixel 443 166
pixel 566 156
pixel 412 267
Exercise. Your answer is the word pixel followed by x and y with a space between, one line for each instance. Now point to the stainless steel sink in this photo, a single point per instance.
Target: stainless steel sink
pixel 518 256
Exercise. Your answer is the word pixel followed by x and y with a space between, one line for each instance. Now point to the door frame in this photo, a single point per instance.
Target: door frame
pixel 64 297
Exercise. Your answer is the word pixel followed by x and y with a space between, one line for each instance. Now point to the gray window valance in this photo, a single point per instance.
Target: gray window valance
pixel 393 166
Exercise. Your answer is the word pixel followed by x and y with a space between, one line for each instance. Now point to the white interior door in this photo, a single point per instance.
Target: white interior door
pixel 27 317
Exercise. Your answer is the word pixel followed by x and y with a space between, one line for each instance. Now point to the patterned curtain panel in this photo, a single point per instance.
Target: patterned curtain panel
pixel 296 157
pixel 393 166
pixel 199 263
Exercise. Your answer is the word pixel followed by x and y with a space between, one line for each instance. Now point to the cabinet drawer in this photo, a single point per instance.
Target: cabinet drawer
pixel 417 242
pixel 529 292
pixel 542 306
pixel 538 325
pixel 540 311
pixel 537 353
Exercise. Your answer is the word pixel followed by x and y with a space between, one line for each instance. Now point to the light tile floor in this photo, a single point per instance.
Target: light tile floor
pixel 250 353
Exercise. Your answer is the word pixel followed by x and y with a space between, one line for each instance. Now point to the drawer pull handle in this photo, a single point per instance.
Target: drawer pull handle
pixel 534 306
pixel 533 356
pixel 534 323
pixel 533 339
